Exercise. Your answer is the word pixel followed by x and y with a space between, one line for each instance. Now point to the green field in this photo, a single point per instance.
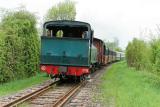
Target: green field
pixel 15 86
pixel 126 87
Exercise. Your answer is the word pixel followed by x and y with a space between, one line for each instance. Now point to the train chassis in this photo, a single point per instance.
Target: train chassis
pixel 72 73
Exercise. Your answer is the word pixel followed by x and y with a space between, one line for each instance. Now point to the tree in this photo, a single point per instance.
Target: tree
pixel 155 57
pixel 113 45
pixel 20 45
pixel 137 54
pixel 62 11
pixel 145 55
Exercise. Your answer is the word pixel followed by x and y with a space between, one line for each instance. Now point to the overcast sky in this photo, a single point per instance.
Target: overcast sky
pixel 123 19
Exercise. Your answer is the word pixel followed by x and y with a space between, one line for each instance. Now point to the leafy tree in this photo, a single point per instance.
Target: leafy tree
pixel 62 11
pixel 137 54
pixel 13 57
pixel 20 45
pixel 114 45
pixel 155 55
pixel 118 49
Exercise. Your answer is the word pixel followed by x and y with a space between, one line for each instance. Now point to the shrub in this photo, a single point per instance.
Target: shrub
pixel 19 48
pixel 155 58
pixel 137 54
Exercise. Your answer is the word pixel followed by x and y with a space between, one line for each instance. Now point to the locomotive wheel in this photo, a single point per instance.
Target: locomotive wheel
pixel 92 69
pixel 82 78
pixel 51 76
pixel 87 77
pixel 61 79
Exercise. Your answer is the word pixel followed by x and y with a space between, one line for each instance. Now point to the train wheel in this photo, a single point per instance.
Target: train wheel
pixel 92 69
pixel 81 79
pixel 75 79
pixel 87 77
pixel 51 76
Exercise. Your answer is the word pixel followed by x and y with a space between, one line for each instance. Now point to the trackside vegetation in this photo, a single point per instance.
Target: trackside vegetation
pixel 127 87
pixel 144 55
pixel 19 46
pixel 62 11
pixel 17 85
pixel 20 40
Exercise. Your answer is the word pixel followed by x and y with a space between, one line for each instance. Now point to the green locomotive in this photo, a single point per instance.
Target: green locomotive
pixel 67 49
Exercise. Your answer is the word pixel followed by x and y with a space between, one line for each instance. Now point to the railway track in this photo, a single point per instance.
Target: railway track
pixel 68 95
pixel 45 96
pixel 21 97
pixel 56 97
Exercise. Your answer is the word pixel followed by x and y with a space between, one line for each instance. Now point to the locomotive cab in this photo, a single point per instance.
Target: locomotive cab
pixel 67 29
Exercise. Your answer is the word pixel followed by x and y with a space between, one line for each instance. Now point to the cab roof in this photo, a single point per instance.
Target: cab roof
pixel 68 23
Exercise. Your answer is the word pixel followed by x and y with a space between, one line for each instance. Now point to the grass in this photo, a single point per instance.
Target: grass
pixel 126 87
pixel 15 86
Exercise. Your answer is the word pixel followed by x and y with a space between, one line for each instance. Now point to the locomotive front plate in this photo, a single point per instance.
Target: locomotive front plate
pixel 62 69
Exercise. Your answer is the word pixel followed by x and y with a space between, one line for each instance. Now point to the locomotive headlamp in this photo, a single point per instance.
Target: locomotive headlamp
pixel 43 68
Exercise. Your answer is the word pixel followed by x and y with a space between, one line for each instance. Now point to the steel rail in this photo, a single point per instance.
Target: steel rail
pixel 30 95
pixel 60 102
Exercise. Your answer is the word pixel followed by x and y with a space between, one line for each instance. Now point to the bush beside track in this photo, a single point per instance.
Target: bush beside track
pixel 19 46
pixel 125 87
